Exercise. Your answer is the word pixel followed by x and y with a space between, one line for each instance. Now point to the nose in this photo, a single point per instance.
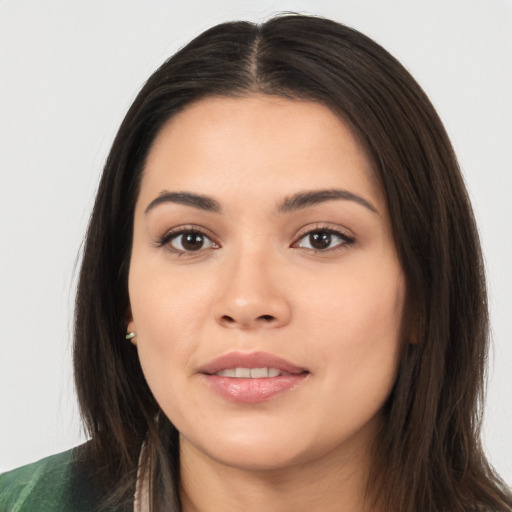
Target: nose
pixel 251 296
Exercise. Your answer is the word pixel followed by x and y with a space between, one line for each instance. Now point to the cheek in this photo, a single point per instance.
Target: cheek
pixel 169 314
pixel 165 303
pixel 357 322
pixel 358 339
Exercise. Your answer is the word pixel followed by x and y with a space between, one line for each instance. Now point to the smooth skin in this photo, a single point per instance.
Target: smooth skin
pixel 318 284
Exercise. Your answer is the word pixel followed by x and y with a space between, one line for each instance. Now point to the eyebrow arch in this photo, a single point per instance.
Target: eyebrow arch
pixel 306 199
pixel 188 199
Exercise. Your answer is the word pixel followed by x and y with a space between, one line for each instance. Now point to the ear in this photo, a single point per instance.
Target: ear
pixel 413 331
pixel 413 327
pixel 130 327
pixel 412 323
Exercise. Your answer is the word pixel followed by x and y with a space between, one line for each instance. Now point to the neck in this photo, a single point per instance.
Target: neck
pixel 333 483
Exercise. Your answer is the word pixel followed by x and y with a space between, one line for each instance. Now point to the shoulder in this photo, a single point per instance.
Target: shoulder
pixel 58 483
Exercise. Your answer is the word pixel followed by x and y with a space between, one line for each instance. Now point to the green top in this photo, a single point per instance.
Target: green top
pixel 60 483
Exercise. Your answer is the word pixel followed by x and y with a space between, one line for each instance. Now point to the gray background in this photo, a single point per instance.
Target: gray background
pixel 68 72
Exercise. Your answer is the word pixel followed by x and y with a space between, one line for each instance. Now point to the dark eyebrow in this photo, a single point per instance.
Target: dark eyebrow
pixel 305 199
pixel 188 199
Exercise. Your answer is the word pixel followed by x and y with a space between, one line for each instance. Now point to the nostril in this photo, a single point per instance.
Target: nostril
pixel 247 322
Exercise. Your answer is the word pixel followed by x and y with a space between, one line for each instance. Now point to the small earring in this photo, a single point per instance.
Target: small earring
pixel 130 335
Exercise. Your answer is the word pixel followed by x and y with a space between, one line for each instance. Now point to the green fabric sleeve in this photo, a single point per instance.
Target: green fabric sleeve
pixel 60 483
pixel 38 486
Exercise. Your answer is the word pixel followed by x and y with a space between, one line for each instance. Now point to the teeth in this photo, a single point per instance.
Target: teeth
pixel 227 373
pixel 259 373
pixel 250 373
pixel 242 372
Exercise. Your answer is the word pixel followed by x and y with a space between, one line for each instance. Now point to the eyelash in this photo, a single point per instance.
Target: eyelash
pixel 345 239
pixel 165 240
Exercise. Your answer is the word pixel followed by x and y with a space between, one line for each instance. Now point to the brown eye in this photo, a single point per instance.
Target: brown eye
pixel 320 240
pixel 190 241
pixel 323 240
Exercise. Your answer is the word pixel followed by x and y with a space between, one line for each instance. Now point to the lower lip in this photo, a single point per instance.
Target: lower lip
pixel 253 390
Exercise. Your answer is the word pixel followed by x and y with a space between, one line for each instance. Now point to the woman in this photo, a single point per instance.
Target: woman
pixel 282 302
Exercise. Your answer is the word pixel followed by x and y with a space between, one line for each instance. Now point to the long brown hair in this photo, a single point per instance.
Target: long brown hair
pixel 428 455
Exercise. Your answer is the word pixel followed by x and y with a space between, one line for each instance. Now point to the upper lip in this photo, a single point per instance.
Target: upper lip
pixel 250 360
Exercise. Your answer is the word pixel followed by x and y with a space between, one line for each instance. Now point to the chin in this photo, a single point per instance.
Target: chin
pixel 253 453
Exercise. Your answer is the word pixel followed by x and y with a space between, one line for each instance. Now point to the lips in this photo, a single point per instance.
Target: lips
pixel 250 360
pixel 251 377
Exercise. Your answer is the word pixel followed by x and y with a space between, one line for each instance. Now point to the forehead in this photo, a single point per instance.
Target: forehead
pixel 275 144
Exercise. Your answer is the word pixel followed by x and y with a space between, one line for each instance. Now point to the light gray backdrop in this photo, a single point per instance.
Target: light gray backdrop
pixel 68 72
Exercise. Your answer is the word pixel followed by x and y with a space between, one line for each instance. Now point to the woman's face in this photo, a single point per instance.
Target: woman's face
pixel 265 288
